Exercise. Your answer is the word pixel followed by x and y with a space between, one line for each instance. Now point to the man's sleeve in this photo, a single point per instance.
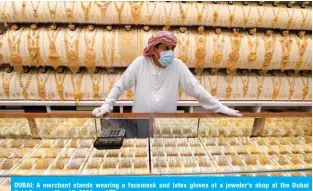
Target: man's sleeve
pixel 192 87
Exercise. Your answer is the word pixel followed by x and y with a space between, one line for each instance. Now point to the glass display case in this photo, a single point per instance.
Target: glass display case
pixel 256 144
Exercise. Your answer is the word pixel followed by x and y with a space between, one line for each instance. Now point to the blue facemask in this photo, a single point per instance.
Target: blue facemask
pixel 166 57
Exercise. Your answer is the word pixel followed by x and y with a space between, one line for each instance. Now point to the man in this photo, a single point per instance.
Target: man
pixel 157 76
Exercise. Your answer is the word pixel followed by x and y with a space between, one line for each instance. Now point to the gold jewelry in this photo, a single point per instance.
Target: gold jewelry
pixel 200 13
pixel 215 13
pixel 35 9
pixel 33 48
pixel 290 20
pixel 304 17
pixel 95 84
pixel 102 7
pixel 285 43
pixel 183 13
pixel 253 49
pixel 260 19
pixel 269 44
pixel 15 59
pixel 4 17
pixel 200 52
pixel 24 88
pixel 218 49
pixel 305 89
pixel 302 46
pixel 234 56
pixel 59 81
pixel 245 83
pixel 85 9
pixel 245 17
pixel 136 11
pixel 6 82
pixel 213 88
pixel 229 80
pixel 260 85
pixel 1 43
pixel 276 88
pixel 168 15
pixel 291 82
pixel 149 16
pixel 119 11
pixel 72 49
pixel 183 43
pixel 231 16
pixel 69 12
pixel 53 56
pixel 111 77
pixel 108 48
pixel 77 85
pixel 41 85
pixel 90 54
pixel 53 11
pixel 276 18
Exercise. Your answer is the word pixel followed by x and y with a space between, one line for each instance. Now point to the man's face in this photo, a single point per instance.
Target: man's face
pixel 160 48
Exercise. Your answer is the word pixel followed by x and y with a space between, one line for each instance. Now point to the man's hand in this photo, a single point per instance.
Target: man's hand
pixel 229 111
pixel 100 111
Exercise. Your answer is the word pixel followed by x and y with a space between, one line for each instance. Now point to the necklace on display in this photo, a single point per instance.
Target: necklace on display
pixel 253 48
pixel 59 81
pixel 200 52
pixel 53 56
pixel 108 48
pixel 291 82
pixel 245 17
pixel 53 11
pixel 290 18
pixel 285 42
pixel 200 13
pixel 276 17
pixel 304 17
pixel 231 15
pixel 305 89
pixel 103 7
pixel 229 89
pixel 269 43
pixel 276 88
pixel 136 11
pixel 95 79
pixel 213 85
pixel 260 81
pixel 260 19
pixel 119 11
pixel 72 48
pixel 234 56
pixel 77 85
pixel 215 13
pixel 4 16
pixel 218 49
pixel 41 85
pixel 302 46
pixel 33 40
pixel 149 16
pixel 6 82
pixel 35 9
pixel 69 12
pixel 168 15
pixel 183 13
pixel 15 59
pixel 245 83
pixel 183 43
pixel 24 88
pixel 85 9
pixel 90 54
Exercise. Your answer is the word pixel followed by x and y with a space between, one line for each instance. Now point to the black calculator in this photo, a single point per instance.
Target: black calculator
pixel 110 139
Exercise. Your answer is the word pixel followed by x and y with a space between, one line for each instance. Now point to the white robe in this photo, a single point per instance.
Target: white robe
pixel 156 89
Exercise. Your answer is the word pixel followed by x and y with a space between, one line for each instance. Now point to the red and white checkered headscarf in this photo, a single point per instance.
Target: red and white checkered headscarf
pixel 163 37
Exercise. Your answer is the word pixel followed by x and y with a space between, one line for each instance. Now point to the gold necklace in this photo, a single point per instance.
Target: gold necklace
pixel 291 82
pixel 213 88
pixel 41 85
pixel 136 11
pixel 302 46
pixel 183 43
pixel 108 48
pixel 77 85
pixel 245 83
pixel 215 13
pixel 231 16
pixel 200 13
pixel 102 7
pixel 15 59
pixel 304 17
pixel 4 16
pixel 6 83
pixel 1 43
pixel 59 83
pixel 53 56
pixel 305 89
pixel 24 88
pixel 53 11
pixel 269 43
pixel 72 49
pixel 33 48
pixel 95 79
pixel 234 56
pixel 245 17
pixel 260 19
pixel 183 13
pixel 168 15
pixel 260 86
pixel 85 9
pixel 229 89
pixel 149 16
pixel 90 54
pixel 35 9
pixel 276 88
pixel 218 49
pixel 276 17
pixel 69 12
pixel 111 77
pixel 119 11
pixel 253 47
pixel 285 43
pixel 200 52
pixel 290 20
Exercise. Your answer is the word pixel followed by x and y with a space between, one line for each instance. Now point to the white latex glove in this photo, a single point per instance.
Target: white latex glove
pixel 229 111
pixel 100 111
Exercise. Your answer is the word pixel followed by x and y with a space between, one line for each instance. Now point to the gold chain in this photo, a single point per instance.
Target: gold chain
pixel 218 49
pixel 72 54
pixel 183 43
pixel 24 88
pixel 291 82
pixel 276 88
pixel 119 11
pixel 15 59
pixel 136 11
pixel 90 54
pixel 6 83
pixel 35 9
pixel 285 42
pixel 3 15
pixel 77 85
pixel 200 13
pixel 229 80
pixel 59 84
pixel 290 20
pixel 260 19
pixel 245 83
pixel 108 48
pixel 302 46
pixel 213 88
pixel 276 17
pixel 95 79
pixel 245 17
pixel 183 13
pixel 260 86
pixel 231 16
pixel 305 89
pixel 168 15
pixel 304 17
pixel 253 49
pixel 149 16
pixel 69 12
pixel 53 11
pixel 234 56
pixel 200 52
pixel 215 13
pixel 269 44
pixel 33 48
pixel 41 85
pixel 53 56
pixel 102 7
pixel 85 9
